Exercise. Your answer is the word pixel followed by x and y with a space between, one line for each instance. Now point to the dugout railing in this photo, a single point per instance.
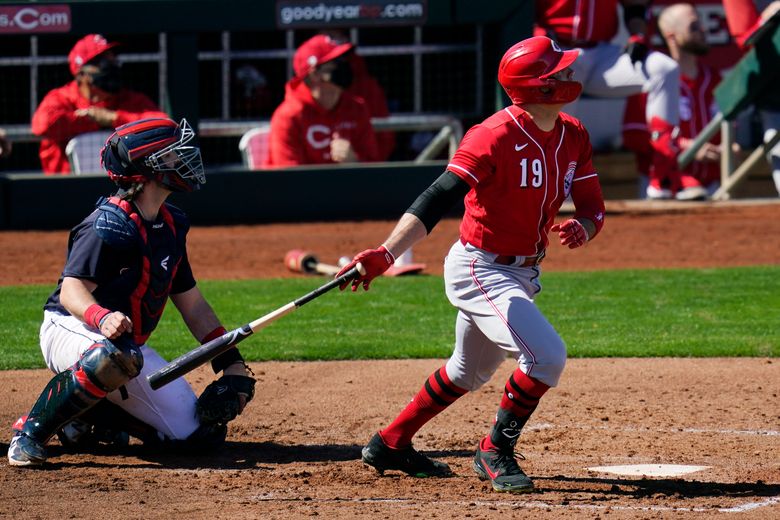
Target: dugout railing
pixel 185 55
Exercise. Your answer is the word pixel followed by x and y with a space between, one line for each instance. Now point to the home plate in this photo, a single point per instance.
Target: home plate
pixel 649 470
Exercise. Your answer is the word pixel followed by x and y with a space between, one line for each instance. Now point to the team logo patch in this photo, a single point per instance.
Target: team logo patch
pixel 569 177
pixel 318 136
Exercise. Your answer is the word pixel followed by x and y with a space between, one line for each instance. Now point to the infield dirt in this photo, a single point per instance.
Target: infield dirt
pixel 295 451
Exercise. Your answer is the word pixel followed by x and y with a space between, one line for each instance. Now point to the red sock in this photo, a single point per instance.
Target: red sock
pixel 521 396
pixel 437 393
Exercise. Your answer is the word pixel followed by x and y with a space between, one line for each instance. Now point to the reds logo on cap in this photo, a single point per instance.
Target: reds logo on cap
pixel 86 49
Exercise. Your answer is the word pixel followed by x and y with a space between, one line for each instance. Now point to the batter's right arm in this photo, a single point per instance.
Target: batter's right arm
pixel 413 226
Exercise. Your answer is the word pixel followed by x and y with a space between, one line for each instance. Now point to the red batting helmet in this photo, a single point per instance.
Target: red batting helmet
pixel 525 72
pixel 154 149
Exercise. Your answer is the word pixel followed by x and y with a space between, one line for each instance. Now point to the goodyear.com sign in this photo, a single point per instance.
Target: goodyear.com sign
pixel 21 19
pixel 306 13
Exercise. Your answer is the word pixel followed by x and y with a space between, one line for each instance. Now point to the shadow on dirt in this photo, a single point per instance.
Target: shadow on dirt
pixel 659 488
pixel 234 455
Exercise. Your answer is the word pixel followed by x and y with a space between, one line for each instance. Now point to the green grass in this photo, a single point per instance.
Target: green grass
pixel 627 313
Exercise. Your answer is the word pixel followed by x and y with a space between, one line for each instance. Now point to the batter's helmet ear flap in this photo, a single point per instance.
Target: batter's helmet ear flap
pixel 526 68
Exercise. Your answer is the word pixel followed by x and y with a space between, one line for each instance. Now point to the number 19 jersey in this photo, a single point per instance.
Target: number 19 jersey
pixel 520 176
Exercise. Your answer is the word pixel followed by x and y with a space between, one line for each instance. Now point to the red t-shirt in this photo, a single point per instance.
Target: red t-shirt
pixel 56 122
pixel 301 129
pixel 520 176
pixel 578 22
pixel 697 108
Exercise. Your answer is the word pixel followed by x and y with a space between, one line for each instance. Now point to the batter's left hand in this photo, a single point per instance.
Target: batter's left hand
pixel 571 232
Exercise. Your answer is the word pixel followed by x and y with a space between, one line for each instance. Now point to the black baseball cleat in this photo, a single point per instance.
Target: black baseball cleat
pixel 501 469
pixel 382 457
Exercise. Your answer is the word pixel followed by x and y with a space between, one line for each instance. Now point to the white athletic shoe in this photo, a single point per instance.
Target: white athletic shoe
pixel 23 451
pixel 692 193
pixel 655 193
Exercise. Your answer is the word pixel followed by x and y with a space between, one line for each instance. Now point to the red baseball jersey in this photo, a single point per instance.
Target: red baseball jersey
pixel 301 129
pixel 578 22
pixel 697 108
pixel 520 176
pixel 55 120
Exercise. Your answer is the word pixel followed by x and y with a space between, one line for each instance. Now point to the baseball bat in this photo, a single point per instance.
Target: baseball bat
pixel 301 261
pixel 200 355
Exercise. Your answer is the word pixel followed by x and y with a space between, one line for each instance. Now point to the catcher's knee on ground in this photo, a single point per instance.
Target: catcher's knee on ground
pixel 104 367
pixel 110 364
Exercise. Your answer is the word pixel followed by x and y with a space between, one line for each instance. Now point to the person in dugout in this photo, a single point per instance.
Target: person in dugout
pixel 124 261
pixel 95 100
pixel 319 122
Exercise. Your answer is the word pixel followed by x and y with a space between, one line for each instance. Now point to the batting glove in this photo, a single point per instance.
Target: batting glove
pixel 637 48
pixel 375 262
pixel 571 232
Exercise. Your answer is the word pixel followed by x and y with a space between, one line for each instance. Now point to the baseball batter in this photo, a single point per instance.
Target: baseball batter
pixel 515 169
pixel 607 70
pixel 124 261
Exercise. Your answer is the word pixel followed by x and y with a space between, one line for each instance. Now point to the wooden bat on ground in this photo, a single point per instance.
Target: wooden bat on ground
pixel 301 261
pixel 200 355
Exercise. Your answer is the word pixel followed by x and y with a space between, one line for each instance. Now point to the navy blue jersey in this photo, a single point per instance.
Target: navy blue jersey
pixel 136 274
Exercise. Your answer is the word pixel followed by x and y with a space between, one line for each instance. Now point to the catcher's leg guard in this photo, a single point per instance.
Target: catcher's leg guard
pixel 103 368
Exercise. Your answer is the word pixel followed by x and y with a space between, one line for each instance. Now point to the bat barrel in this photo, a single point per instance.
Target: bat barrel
pixel 196 357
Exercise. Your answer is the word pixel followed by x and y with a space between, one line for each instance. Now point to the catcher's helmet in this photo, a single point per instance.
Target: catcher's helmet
pixel 154 149
pixel 525 72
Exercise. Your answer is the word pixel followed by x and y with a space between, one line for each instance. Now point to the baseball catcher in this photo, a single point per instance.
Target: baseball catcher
pixel 125 260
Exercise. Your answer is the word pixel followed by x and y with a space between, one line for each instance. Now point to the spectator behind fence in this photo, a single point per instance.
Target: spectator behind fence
pixel 94 100
pixel 744 20
pixel 680 27
pixel 365 86
pixel 319 122
pixel 607 70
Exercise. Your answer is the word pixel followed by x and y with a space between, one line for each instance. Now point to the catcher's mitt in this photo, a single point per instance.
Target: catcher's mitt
pixel 219 402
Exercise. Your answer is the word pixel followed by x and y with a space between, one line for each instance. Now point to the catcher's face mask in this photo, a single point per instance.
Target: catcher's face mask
pixel 180 166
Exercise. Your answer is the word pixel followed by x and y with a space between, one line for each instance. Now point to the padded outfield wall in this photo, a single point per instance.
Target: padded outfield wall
pixel 381 191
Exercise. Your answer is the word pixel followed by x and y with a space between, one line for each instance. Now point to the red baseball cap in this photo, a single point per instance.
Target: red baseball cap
pixel 315 51
pixel 86 49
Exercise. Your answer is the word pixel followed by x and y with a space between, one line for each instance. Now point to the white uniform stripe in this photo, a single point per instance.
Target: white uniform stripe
pixel 464 170
pixel 503 318
pixel 557 168
pixel 594 174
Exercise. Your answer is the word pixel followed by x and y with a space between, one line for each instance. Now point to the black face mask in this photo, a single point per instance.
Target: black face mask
pixel 341 76
pixel 108 78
